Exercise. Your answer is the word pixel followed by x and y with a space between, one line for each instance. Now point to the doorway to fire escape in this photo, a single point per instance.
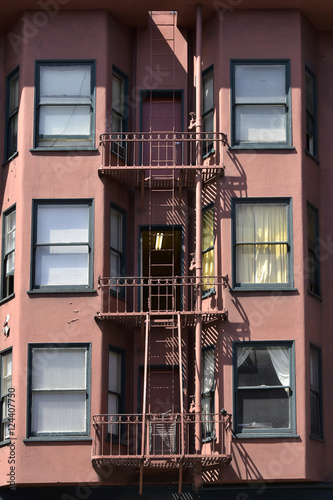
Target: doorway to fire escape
pixel 161 263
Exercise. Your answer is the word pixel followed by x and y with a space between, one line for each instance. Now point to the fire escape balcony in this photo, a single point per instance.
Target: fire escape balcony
pixel 127 300
pixel 130 158
pixel 161 440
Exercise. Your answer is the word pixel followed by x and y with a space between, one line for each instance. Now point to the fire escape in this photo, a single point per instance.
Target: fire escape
pixel 163 300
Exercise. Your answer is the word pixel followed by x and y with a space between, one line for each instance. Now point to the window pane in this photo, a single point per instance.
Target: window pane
pixel 117 124
pixel 261 124
pixel 114 372
pixel 10 231
pixel 62 81
pixel 114 264
pixel 12 139
pixel 6 373
pixel 207 228
pixel 263 408
pixel 14 94
pixel 208 124
pixel 62 265
pixel 208 370
pixel 263 366
pixel 311 227
pixel 208 97
pixel 118 94
pixel 116 230
pixel 64 121
pixel 58 412
pixel 62 223
pixel 262 264
pixel 260 83
pixel 59 368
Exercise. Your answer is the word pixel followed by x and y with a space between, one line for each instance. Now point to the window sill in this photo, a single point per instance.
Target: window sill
pixel 265 435
pixel 262 288
pixel 312 157
pixel 50 290
pixel 315 295
pixel 34 439
pixel 262 147
pixel 5 442
pixel 7 299
pixel 317 438
pixel 14 155
pixel 62 148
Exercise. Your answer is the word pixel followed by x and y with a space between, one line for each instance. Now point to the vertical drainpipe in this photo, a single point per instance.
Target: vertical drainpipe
pixel 198 234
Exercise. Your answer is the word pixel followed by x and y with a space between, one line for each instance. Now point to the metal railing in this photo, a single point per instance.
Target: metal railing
pixel 161 149
pixel 136 295
pixel 168 435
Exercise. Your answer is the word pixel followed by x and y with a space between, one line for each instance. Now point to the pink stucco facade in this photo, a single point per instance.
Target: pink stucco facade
pixel 158 81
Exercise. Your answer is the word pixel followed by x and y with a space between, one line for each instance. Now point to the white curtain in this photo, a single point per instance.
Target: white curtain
pixel 242 354
pixel 257 225
pixel 208 370
pixel 280 359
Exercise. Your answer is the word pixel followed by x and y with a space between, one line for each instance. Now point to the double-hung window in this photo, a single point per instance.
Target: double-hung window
pixel 313 268
pixel 12 106
pixel 261 114
pixel 208 392
pixel 119 111
pixel 7 399
pixel 115 389
pixel 264 388
pixel 311 113
pixel 208 249
pixel 8 252
pixel 117 244
pixel 59 390
pixel 62 245
pixel 315 392
pixel 208 109
pixel 262 253
pixel 65 104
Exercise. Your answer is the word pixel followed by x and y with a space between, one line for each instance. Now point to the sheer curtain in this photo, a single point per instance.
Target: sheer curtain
pixel 280 359
pixel 242 354
pixel 258 226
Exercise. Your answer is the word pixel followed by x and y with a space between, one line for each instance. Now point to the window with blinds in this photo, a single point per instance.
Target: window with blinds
pixel 261 115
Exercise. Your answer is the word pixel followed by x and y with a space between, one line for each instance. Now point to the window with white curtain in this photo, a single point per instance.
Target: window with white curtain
pixel 208 392
pixel 264 397
pixel 65 104
pixel 208 249
pixel 59 391
pixel 208 108
pixel 261 111
pixel 117 245
pixel 262 243
pixel 8 252
pixel 316 392
pixel 7 397
pixel 63 245
pixel 115 389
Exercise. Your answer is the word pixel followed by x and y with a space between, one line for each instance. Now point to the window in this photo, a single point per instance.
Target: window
pixel 261 114
pixel 208 392
pixel 208 249
pixel 311 114
pixel 313 249
pixel 119 109
pixel 262 243
pixel 264 382
pixel 12 105
pixel 65 105
pixel 59 392
pixel 62 253
pixel 8 252
pixel 7 402
pixel 208 108
pixel 315 392
pixel 115 386
pixel 117 243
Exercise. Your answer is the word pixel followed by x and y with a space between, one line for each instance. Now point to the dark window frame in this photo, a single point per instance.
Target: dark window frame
pixel 120 395
pixel 11 115
pixel 311 122
pixel 206 208
pixel 59 435
pixel 316 393
pixel 268 432
pixel 90 243
pixel 208 146
pixel 119 147
pixel 313 254
pixel 121 253
pixel 289 285
pixel 90 139
pixel 287 144
pixel 208 434
pixel 6 284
